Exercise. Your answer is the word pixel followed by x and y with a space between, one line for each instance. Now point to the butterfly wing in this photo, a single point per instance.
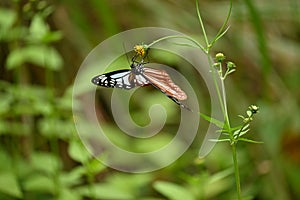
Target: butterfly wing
pixel 123 79
pixel 161 80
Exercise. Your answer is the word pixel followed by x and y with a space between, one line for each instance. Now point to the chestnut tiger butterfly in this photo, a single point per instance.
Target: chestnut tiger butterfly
pixel 139 75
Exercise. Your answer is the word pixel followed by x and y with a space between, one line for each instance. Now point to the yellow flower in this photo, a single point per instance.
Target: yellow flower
pixel 140 50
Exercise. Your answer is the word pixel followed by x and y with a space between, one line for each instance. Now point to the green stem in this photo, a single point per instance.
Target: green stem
pixel 225 105
pixel 242 129
pixel 220 89
pixel 236 170
pixel 55 149
pixel 177 36
pixel 221 31
pixel 201 24
pixel 90 180
pixel 221 97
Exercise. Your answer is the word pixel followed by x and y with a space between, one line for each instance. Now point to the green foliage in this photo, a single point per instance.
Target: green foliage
pixel 173 191
pixel 38 55
pixel 9 184
pixel 41 154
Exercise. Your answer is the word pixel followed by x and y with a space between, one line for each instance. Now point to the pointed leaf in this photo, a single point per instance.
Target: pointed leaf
pixel 241 116
pixel 104 191
pixel 66 194
pixel 218 123
pixel 220 35
pixel 42 56
pixel 95 166
pixel 45 162
pixel 220 175
pixel 7 18
pixel 38 28
pixel 9 184
pixel 221 32
pixel 250 141
pixel 39 182
pixel 78 152
pixel 233 129
pixel 219 140
pixel 73 177
pixel 173 191
pixel 244 132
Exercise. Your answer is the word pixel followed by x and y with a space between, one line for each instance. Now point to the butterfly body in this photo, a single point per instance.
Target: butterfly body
pixel 142 76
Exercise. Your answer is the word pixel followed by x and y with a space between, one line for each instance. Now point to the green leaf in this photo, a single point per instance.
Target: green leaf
pixel 218 183
pixel 8 31
pixel 67 194
pixel 6 100
pixel 13 34
pixel 129 182
pixel 15 128
pixel 221 32
pixel 250 141
pixel 242 132
pixel 72 178
pixel 52 36
pixel 40 31
pixel 7 18
pixel 78 152
pixel 42 56
pixel 45 162
pixel 218 123
pixel 233 129
pixel 241 116
pixel 38 28
pixel 9 184
pixel 220 35
pixel 249 113
pixel 220 175
pixel 173 191
pixel 219 140
pixel 39 182
pixel 56 128
pixel 104 191
pixel 95 166
pixel 184 44
pixel 245 129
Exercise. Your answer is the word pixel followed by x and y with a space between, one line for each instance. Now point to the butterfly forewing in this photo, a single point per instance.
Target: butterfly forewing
pixel 162 80
pixel 124 79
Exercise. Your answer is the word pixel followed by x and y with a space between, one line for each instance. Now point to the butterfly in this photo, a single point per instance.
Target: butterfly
pixel 139 75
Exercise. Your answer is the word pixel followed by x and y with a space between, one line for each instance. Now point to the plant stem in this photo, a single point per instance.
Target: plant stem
pixel 202 25
pixel 222 97
pixel 177 36
pixel 55 149
pixel 236 170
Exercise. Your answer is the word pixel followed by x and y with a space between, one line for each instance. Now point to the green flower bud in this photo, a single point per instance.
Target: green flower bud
pixel 231 65
pixel 220 57
pixel 254 109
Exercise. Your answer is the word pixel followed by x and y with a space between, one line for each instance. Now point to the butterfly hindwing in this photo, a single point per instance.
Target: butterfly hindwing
pixel 161 80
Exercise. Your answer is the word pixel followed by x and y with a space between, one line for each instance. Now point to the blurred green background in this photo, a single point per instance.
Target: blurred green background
pixel 42 45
